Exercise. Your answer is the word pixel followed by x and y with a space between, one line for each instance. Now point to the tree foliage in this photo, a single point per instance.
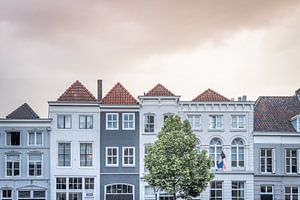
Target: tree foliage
pixel 175 166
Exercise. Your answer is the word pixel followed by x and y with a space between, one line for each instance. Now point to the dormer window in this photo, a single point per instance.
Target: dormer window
pixel 296 122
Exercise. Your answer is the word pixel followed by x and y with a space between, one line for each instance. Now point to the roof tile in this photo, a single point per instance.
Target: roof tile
pixel 274 113
pixel 77 92
pixel 210 95
pixel 159 90
pixel 23 112
pixel 119 95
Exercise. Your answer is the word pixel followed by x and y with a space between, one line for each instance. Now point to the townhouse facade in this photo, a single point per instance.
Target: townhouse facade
pixel 119 146
pixel 75 145
pixel 24 153
pixel 277 147
pixel 93 148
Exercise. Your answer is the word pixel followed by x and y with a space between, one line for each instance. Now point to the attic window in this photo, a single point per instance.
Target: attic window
pixel 298 124
pixel 13 139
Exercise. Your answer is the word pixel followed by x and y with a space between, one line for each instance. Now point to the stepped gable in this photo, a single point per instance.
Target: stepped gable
pixel 159 90
pixel 23 112
pixel 274 113
pixel 119 95
pixel 77 92
pixel 210 95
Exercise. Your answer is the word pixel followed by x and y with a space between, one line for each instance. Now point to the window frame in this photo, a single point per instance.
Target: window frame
pixel 211 121
pixel 133 121
pixel 2 192
pixel 266 161
pixel 214 160
pixel 28 162
pixel 238 149
pixel 106 156
pixel 291 159
pixel 35 138
pixel 128 156
pixel 64 166
pixel 85 121
pixel 153 124
pixel 238 189
pixel 215 189
pixel 238 122
pixel 106 121
pixel 291 194
pixel 20 139
pixel 266 193
pixel 86 143
pixel 13 168
pixel 64 122
pixel 193 116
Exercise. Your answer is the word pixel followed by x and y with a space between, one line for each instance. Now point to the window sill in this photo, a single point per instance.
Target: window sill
pixel 238 168
pixel 216 130
pixel 152 133
pixel 111 166
pixel 128 165
pixel 238 130
pixel 197 129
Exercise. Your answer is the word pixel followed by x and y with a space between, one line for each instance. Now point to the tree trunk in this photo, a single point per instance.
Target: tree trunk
pixel 174 196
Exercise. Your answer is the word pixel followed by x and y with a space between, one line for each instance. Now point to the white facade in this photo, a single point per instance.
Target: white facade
pixel 79 171
pixel 226 133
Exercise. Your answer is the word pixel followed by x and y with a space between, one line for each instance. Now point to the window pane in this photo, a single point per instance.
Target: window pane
pixel 39 138
pixel 31 138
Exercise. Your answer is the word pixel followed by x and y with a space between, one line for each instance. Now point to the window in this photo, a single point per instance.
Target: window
pixel 86 154
pixel 35 165
pixel 216 190
pixel 64 154
pixel 32 194
pixel 61 196
pixel 128 156
pixel 238 190
pixel 266 192
pixel 64 121
pixel 24 194
pixel 12 165
pixel 128 121
pixel 238 121
pixel 291 160
pixel 75 196
pixel 195 121
pixel 13 138
pixel 61 183
pixel 112 121
pixel 6 194
pixel 35 138
pixel 237 153
pixel 216 122
pixel 39 194
pixel 89 183
pixel 166 115
pixel 75 183
pixel 112 156
pixel 291 193
pixel 266 161
pixel 147 146
pixel 149 123
pixel 119 189
pixel 85 121
pixel 215 151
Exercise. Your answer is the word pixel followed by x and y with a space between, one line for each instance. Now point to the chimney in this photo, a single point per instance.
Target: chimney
pixel 244 97
pixel 297 92
pixel 99 90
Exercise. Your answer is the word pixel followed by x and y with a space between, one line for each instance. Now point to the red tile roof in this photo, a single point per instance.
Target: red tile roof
pixel 77 92
pixel 119 95
pixel 210 95
pixel 159 90
pixel 274 113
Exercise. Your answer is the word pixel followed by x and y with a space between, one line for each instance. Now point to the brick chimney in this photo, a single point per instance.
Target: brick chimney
pixel 99 87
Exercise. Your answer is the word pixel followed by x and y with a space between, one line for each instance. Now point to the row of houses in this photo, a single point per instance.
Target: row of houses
pixel 94 147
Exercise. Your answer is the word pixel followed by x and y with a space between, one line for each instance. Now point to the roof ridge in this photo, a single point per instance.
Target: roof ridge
pixel 155 91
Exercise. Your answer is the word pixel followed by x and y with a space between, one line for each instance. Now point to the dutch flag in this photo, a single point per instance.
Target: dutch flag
pixel 221 162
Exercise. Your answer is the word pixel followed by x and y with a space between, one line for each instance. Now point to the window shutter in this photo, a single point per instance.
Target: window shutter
pixel 298 160
pixel 274 161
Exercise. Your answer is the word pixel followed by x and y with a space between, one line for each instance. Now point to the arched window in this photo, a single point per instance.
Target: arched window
pixel 119 191
pixel 215 150
pixel 238 153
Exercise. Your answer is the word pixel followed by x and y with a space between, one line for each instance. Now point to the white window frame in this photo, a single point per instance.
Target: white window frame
pixel 10 145
pixel 6 189
pixel 42 162
pixel 238 189
pixel 32 194
pixel 57 165
pixel 133 121
pixel 106 121
pixel 144 123
pixel 193 117
pixel 266 193
pixel 290 158
pixel 123 157
pixel 219 119
pixel 215 189
pixel 64 125
pixel 35 138
pixel 106 157
pixel 82 166
pixel 273 158
pixel 238 122
pixel 85 121
pixel 291 188
pixel 238 149
pixel 105 189
pixel 20 169
pixel 216 155
pixel 85 182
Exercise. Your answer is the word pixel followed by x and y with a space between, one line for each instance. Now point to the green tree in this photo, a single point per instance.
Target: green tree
pixel 174 164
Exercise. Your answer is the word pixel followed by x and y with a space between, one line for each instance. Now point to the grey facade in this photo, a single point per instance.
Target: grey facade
pixel 119 139
pixel 24 153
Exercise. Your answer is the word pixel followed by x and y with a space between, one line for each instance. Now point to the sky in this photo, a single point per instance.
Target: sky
pixel 234 47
